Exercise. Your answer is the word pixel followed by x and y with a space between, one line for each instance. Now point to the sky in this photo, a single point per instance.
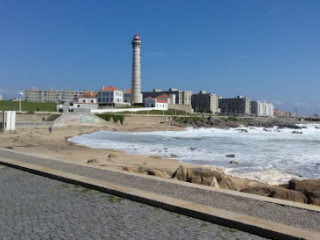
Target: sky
pixel 263 49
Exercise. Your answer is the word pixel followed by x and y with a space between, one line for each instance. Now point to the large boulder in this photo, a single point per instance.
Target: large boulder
pixel 204 176
pixel 305 185
pixel 309 187
pixel 276 192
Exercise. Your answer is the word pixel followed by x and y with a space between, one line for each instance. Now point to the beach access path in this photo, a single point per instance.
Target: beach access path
pixel 271 218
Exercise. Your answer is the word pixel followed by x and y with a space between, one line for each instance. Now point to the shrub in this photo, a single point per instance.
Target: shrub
pixel 115 117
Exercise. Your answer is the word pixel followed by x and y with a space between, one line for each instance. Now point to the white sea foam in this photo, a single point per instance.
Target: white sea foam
pixel 268 155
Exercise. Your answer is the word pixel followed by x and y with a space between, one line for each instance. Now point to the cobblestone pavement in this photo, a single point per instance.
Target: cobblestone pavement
pixel 277 213
pixel 34 207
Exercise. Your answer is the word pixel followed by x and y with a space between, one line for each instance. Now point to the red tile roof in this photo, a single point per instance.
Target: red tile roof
pixel 89 95
pixel 110 88
pixel 163 96
pixel 128 91
pixel 157 100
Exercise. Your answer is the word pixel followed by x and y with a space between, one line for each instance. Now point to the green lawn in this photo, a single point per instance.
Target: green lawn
pixel 28 106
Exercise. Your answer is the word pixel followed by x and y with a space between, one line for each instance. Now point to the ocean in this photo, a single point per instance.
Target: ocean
pixel 270 155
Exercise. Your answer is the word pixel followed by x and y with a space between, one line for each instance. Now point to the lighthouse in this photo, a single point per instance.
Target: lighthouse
pixel 136 96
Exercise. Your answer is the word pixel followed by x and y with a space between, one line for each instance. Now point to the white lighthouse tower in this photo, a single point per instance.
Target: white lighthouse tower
pixel 136 96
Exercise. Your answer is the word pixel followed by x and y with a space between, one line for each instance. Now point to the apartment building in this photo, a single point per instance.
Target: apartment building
pixel 205 102
pixel 262 109
pixel 235 106
pixel 51 95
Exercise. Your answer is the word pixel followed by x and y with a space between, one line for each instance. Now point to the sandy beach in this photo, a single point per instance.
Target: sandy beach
pixel 56 145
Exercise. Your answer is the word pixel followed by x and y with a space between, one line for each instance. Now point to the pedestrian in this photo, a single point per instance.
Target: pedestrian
pixel 50 129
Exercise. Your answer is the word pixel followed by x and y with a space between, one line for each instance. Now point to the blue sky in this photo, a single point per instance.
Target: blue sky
pixel 265 50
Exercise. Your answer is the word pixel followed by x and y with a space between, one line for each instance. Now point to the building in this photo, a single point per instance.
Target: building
pixel 127 96
pixel 180 97
pixel 88 98
pixel 280 113
pixel 136 96
pixel 110 96
pixel 205 102
pixel 87 101
pixel 235 106
pixel 51 95
pixel 262 109
pixel 156 103
pixel 168 99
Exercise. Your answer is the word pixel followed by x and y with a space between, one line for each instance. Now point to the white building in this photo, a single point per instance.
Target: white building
pixel 262 109
pixel 87 101
pixel 157 104
pixel 110 96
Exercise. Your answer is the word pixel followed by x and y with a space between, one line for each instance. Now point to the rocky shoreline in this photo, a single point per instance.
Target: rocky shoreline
pixel 303 191
pixel 234 122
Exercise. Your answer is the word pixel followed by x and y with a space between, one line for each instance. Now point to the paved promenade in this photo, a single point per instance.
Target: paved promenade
pixel 35 207
pixel 264 216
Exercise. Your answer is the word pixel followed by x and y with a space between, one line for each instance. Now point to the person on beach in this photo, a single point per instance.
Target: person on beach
pixel 50 129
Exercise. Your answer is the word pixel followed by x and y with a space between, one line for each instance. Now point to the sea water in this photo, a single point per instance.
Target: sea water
pixel 270 155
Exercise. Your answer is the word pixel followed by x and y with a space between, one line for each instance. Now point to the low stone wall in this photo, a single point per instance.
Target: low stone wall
pixel 36 117
pixel 24 125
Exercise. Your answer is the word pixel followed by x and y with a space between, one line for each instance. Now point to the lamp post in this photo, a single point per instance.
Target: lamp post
pixel 20 93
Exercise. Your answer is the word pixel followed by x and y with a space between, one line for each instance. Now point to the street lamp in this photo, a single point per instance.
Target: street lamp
pixel 20 93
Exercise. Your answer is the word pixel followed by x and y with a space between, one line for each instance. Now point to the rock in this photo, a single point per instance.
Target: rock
pixel 157 173
pixel 307 185
pixel 205 176
pixel 93 160
pixel 233 162
pixel 276 192
pixel 296 132
pixel 111 155
pixel 243 130
pixel 292 126
pixel 192 148
pixel 129 169
pixel 227 183
pixel 173 155
pixel 149 171
pixel 313 197
pixel 230 156
pixel 182 174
